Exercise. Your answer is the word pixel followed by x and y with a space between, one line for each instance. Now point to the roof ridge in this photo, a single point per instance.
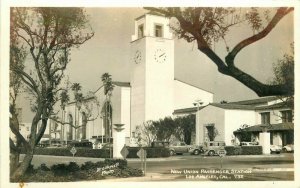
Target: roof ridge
pixel 193 85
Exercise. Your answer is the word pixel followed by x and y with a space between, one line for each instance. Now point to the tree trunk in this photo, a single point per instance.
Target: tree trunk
pixel 14 161
pixel 20 171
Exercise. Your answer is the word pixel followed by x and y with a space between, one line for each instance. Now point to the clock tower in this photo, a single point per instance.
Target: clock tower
pixel 152 70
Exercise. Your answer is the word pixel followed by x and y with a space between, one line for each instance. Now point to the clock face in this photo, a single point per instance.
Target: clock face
pixel 137 57
pixel 160 55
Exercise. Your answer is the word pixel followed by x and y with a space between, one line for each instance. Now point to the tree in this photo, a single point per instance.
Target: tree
pixel 165 129
pixel 146 133
pixel 17 57
pixel 212 132
pixel 48 35
pixel 209 25
pixel 78 97
pixel 185 127
pixel 284 75
pixel 107 108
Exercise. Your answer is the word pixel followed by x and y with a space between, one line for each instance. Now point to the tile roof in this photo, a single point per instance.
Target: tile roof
pixel 122 84
pixel 256 101
pixel 233 106
pixel 187 110
pixel 269 127
pixel 273 106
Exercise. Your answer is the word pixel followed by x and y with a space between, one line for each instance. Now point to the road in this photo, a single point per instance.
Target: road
pixel 196 168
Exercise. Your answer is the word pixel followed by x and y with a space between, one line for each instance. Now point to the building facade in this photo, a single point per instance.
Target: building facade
pixel 243 121
pixel 152 93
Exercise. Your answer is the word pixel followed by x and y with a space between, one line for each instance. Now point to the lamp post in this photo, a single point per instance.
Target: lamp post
pixel 197 103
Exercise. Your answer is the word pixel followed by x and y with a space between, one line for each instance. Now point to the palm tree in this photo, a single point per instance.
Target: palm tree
pixel 64 99
pixel 108 87
pixel 78 97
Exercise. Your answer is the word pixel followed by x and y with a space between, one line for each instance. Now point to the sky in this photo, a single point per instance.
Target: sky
pixel 108 51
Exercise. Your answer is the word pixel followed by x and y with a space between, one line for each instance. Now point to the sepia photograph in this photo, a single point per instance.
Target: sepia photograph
pixel 191 94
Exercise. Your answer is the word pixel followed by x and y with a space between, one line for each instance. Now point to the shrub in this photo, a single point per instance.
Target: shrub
pixel 81 152
pixel 101 153
pixel 151 152
pixel 243 150
pixel 72 167
pixel 91 166
pixel 72 172
pixel 59 170
pixel 44 167
pixel 122 162
pixel 233 150
pixel 251 150
pixel 157 152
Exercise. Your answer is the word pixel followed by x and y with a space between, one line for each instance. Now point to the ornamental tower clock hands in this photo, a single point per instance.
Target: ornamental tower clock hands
pixel 160 56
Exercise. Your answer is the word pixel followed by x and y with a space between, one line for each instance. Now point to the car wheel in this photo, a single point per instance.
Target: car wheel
pixel 284 150
pixel 196 152
pixel 172 152
pixel 211 153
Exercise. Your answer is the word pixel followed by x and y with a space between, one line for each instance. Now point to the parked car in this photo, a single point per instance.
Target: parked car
pixel 196 150
pixel 212 148
pixel 249 143
pixel 275 149
pixel 81 144
pixel 288 148
pixel 160 144
pixel 179 148
pixel 107 146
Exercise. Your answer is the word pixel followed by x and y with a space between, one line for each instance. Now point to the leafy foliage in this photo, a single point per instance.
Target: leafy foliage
pixel 47 35
pixel 207 25
pixel 73 172
pixel 166 129
pixel 284 71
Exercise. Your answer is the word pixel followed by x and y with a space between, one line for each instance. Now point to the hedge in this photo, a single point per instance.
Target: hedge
pixel 99 153
pixel 151 152
pixel 81 152
pixel 251 150
pixel 243 150
pixel 73 172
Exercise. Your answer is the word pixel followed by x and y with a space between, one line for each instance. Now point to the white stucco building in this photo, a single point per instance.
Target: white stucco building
pixel 227 121
pixel 152 93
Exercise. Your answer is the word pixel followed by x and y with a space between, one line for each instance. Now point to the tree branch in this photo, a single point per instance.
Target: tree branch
pixel 12 126
pixel 281 12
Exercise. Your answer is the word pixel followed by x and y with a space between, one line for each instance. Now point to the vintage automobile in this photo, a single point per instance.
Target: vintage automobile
pixel 163 144
pixel 275 149
pixel 81 144
pixel 196 150
pixel 288 148
pixel 212 148
pixel 248 143
pixel 179 148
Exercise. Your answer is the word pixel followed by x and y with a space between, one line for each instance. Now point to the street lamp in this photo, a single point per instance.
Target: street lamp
pixel 197 103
